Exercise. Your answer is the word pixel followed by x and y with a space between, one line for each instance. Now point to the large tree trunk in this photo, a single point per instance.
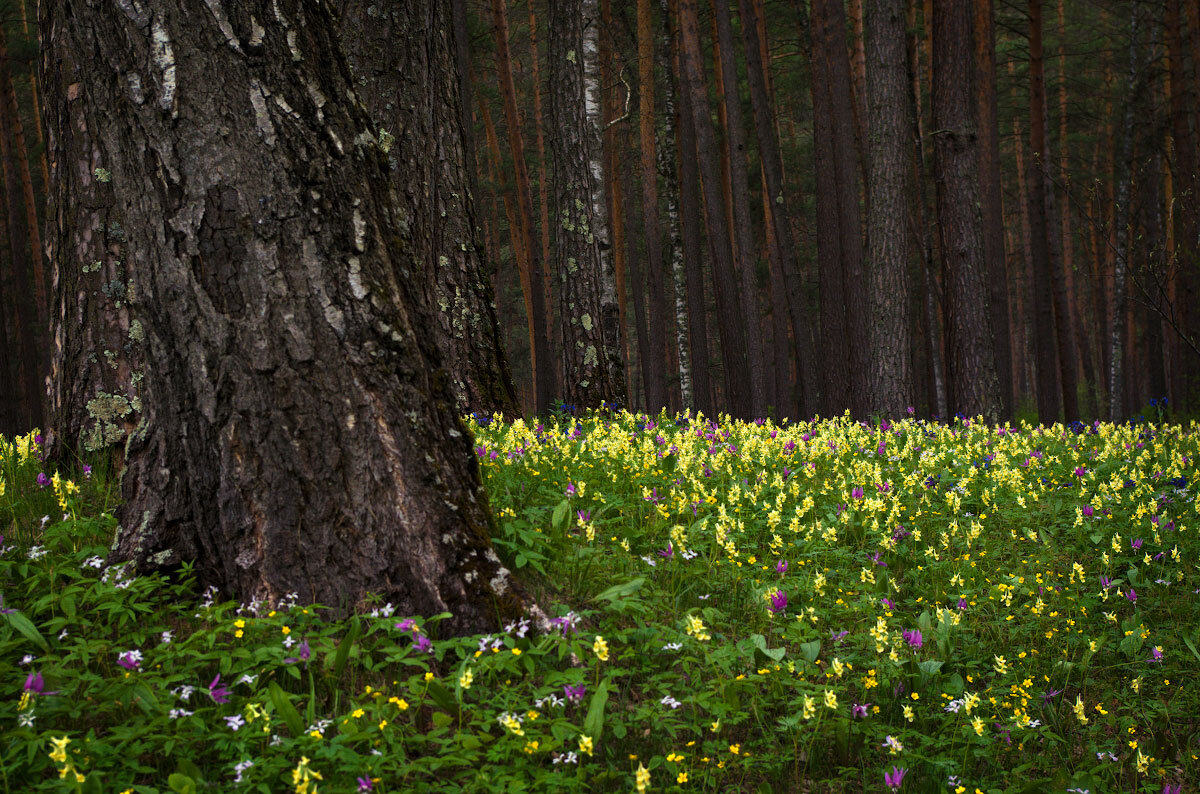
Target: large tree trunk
pixel 299 428
pixel 614 194
pixel 990 189
pixel 655 368
pixel 1116 365
pixel 733 341
pixel 974 389
pixel 544 369
pixel 783 241
pixel 589 379
pixel 417 101
pixel 842 281
pixel 891 382
pixel 743 235
pixel 1185 265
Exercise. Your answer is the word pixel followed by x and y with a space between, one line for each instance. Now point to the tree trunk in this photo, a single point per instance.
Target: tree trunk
pixel 552 330
pixel 656 367
pixel 26 276
pixel 614 184
pixel 846 368
pixel 733 342
pixel 406 90
pixel 743 236
pixel 783 241
pixel 589 380
pixel 974 389
pixel 1116 367
pixel 891 384
pixel 1185 264
pixel 990 189
pixel 544 369
pixel 299 429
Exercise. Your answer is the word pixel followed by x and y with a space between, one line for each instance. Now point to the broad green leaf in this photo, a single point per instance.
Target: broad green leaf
pixel 285 709
pixel 593 723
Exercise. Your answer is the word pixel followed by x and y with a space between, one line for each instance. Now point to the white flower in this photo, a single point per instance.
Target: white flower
pixel 569 758
pixel 288 642
pixel 28 658
pixel 25 719
pixel 667 700
pixel 648 560
pixel 37 552
pixel 93 562
pixel 177 713
pixel 183 692
pixel 62 635
pixel 165 638
pixel 246 679
pixel 240 768
pixel 672 646
pixel 235 721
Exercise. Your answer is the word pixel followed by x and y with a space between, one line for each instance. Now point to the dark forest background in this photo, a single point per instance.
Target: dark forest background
pixel 782 195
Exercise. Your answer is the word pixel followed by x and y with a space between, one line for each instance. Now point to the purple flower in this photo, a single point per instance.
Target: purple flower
pixel 1132 595
pixel 37 439
pixel 781 567
pixel 837 636
pixel 570 489
pixel 130 660
pixel 914 639
pixel 42 479
pixel 35 683
pixel 778 602
pixel 875 559
pixel 423 643
pixel 1088 511
pixel 859 710
pixel 1155 654
pixel 856 493
pixel 668 552
pixel 87 470
pixel 365 784
pixel 1080 471
pixel 894 778
pixel 408 624
pixel 1169 789
pixel 887 603
pixel 962 603
pixel 1105 582
pixel 574 693
pixel 218 691
pixel 1136 543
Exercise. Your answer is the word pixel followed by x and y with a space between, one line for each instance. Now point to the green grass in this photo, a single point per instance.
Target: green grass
pixel 741 618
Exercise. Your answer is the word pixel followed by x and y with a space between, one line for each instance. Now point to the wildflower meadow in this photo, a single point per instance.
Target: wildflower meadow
pixel 817 606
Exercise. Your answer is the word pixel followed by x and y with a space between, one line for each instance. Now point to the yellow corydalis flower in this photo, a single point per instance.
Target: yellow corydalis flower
pixel 642 777
pixel 466 678
pixel 600 648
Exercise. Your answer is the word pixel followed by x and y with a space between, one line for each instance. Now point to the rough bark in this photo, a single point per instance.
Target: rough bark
pixel 743 235
pixel 1118 335
pixel 783 242
pixel 588 378
pixel 544 368
pixel 614 198
pixel 690 235
pixel 543 164
pixel 299 432
pixel 974 389
pixel 891 382
pixel 403 60
pixel 1185 234
pixel 990 187
pixel 725 282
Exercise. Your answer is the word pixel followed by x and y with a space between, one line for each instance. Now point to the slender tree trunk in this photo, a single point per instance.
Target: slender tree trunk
pixel 1185 233
pixel 1116 370
pixel 777 202
pixel 860 93
pixel 655 371
pixel 743 236
pixel 990 188
pixel 614 184
pixel 732 334
pixel 974 388
pixel 286 298
pixel 36 109
pixel 637 270
pixel 553 332
pixel 833 122
pixel 384 63
pixel 589 379
pixel 891 380
pixel 29 315
pixel 544 369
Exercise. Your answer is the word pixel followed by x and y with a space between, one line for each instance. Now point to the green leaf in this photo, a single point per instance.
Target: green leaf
pixel 23 625
pixel 558 522
pixel 181 784
pixel 442 697
pixel 67 602
pixel 593 723
pixel 619 591
pixel 442 720
pixel 145 700
pixel 775 654
pixel 1191 646
pixel 343 651
pixel 811 650
pixel 285 709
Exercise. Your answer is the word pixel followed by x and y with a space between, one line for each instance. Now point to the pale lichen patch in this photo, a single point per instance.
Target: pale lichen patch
pixel 164 61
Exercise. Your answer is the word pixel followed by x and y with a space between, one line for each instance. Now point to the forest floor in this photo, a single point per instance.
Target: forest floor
pixel 828 606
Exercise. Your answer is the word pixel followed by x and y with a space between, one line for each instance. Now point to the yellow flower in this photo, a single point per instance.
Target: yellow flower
pixel 810 708
pixel 59 753
pixel 466 678
pixel 734 748
pixel 830 699
pixel 286 630
pixel 383 724
pixel 681 778
pixel 585 745
pixel 516 651
pixel 357 713
pixel 600 647
pixel 531 747
pixel 401 703
pixel 643 777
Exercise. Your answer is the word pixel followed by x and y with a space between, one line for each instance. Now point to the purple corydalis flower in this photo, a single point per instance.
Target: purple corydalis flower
pixel 423 643
pixel 218 691
pixel 584 516
pixel 875 559
pixel 574 693
pixel 962 603
pixel 1155 654
pixel 35 683
pixel 894 778
pixel 859 710
pixel 887 603
pixel 837 636
pixel 87 470
pixel 570 489
pixel 130 660
pixel 1080 471
pixel 1105 582
pixel 778 602
pixel 668 552
pixel 1136 543
pixel 1132 595
pixel 42 479
pixel 408 624
pixel 1089 511
pixel 856 493
pixel 914 639
pixel 781 567
pixel 365 784
pixel 1169 789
